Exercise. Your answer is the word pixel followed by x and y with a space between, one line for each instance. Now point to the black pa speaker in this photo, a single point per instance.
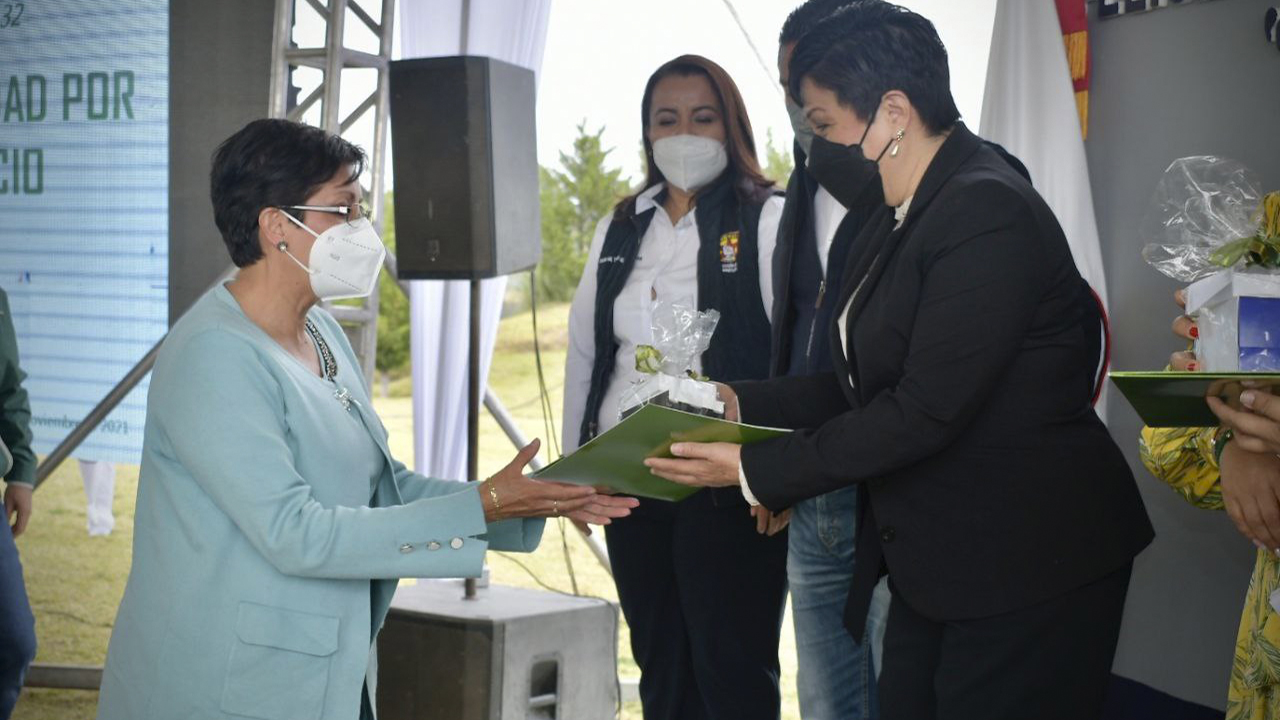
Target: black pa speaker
pixel 466 168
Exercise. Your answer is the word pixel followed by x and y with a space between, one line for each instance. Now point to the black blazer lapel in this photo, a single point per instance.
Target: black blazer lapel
pixel 862 269
pixel 878 243
pixel 955 150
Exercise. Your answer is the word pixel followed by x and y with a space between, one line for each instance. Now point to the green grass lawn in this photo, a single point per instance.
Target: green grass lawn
pixel 75 582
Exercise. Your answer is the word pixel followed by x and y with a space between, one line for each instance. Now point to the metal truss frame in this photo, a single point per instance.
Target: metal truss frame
pixel 360 321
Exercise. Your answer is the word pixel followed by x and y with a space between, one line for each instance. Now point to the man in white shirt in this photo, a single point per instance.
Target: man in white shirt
pixel 836 677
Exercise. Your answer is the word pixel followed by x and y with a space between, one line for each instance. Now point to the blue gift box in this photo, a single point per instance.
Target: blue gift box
pixel 1259 327
pixel 1238 314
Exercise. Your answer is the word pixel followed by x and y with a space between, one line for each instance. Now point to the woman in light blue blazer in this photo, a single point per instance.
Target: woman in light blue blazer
pixel 271 520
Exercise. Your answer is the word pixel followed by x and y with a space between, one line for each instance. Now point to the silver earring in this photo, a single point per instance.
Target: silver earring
pixel 282 246
pixel 897 142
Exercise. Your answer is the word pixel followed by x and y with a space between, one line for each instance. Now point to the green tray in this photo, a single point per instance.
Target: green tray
pixel 615 458
pixel 1176 399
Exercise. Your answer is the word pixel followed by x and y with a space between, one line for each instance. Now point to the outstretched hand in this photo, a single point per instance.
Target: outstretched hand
pixel 699 464
pixel 510 494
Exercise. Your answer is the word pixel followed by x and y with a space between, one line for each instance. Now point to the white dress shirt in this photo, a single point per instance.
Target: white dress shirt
pixel 827 216
pixel 899 215
pixel 828 213
pixel 666 270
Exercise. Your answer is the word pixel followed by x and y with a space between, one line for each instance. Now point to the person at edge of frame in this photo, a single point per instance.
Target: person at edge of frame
pixel 18 467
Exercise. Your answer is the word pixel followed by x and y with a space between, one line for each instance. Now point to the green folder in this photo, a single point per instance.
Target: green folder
pixel 615 458
pixel 1176 399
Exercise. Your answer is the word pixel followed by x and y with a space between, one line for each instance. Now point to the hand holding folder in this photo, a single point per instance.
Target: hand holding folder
pixel 614 460
pixel 1178 399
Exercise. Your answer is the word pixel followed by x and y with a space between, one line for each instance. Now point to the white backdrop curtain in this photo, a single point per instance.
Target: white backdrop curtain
pixel 1029 107
pixel 513 31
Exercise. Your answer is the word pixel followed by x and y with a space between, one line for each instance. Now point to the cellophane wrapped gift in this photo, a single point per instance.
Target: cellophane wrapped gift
pixel 680 335
pixel 1210 226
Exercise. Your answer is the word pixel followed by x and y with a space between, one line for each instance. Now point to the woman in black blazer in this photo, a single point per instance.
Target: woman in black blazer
pixel 965 346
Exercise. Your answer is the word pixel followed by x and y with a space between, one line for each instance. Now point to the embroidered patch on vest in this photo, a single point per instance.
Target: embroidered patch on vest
pixel 729 245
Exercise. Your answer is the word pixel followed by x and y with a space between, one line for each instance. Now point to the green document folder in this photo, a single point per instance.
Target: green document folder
pixel 1176 399
pixel 615 458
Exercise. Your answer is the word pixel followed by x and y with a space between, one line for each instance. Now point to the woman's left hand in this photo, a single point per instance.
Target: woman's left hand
pixel 1257 426
pixel 699 464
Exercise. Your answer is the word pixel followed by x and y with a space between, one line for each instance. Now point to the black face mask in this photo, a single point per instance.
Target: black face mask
pixel 846 172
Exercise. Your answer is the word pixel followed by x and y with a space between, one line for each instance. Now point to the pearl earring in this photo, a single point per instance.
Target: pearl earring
pixel 897 138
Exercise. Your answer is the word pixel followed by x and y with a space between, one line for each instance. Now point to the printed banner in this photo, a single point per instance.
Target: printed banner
pixel 84 197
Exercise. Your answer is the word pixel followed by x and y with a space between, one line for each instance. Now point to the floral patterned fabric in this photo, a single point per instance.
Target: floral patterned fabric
pixel 1183 458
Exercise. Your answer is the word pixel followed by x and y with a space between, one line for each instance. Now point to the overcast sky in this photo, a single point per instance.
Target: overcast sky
pixel 600 52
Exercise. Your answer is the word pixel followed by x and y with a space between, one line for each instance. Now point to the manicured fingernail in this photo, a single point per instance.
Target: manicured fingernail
pixel 677 449
pixel 1247 397
pixel 1195 331
pixel 1191 367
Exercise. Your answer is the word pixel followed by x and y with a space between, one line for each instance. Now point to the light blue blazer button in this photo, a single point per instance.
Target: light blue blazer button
pixel 406 548
pixel 455 543
pixel 433 545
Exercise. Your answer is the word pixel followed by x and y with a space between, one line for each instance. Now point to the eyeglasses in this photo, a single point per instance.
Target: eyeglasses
pixel 350 213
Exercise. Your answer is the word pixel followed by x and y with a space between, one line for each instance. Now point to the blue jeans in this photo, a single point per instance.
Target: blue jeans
pixel 17 625
pixel 836 677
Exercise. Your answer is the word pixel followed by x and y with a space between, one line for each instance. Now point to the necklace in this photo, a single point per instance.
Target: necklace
pixel 330 369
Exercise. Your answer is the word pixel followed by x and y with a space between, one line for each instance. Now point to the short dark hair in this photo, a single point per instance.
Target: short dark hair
pixel 806 18
pixel 271 163
pixel 871 47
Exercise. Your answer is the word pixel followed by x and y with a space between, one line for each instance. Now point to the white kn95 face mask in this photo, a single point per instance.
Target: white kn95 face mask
pixel 345 259
pixel 689 162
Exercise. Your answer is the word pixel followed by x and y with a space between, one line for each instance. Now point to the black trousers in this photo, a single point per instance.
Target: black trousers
pixel 704 595
pixel 1051 661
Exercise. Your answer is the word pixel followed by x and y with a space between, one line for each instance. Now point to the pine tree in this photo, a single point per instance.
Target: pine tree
pixel 393 306
pixel 778 164
pixel 573 200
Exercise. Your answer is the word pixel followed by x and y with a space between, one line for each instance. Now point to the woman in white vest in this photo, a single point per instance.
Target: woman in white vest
pixel 701 232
